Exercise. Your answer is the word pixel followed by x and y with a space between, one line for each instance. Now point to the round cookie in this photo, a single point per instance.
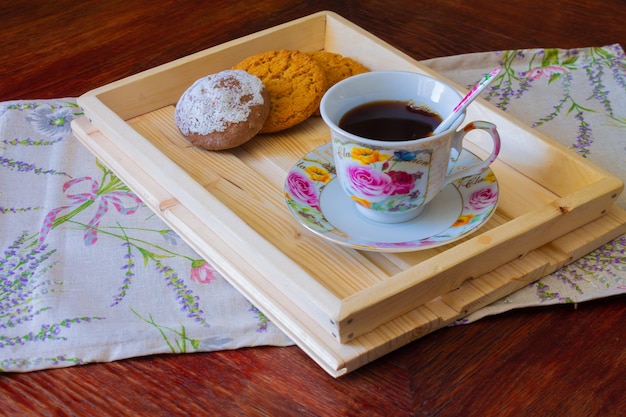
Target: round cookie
pixel 294 81
pixel 222 110
pixel 336 68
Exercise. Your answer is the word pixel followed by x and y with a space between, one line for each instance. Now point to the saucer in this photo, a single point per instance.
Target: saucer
pixel 316 199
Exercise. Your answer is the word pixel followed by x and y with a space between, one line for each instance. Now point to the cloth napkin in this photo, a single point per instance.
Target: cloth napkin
pixel 90 274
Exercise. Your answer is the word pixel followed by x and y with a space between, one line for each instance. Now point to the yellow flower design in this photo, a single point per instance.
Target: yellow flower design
pixel 490 178
pixel 362 202
pixel 368 156
pixel 463 220
pixel 317 173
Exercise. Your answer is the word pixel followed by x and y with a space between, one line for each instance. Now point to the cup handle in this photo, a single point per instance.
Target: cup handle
pixel 457 144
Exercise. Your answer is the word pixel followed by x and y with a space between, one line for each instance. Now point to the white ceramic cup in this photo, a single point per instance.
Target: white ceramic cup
pixel 392 181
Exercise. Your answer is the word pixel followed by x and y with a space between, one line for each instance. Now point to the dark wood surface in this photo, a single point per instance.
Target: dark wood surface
pixel 556 361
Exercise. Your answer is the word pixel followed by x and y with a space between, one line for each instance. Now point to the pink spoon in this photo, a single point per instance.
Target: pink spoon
pixel 469 97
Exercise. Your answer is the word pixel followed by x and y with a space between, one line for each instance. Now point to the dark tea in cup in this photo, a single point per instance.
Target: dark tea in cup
pixel 389 120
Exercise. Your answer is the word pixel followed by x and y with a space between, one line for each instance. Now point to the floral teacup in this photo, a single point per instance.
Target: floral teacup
pixel 392 181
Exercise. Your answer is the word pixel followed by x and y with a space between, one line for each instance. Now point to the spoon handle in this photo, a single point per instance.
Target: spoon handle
pixel 469 97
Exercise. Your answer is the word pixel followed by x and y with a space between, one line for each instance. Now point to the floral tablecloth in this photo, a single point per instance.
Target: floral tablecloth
pixel 90 274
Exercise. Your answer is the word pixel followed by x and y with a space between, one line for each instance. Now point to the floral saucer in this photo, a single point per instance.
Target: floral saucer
pixel 316 199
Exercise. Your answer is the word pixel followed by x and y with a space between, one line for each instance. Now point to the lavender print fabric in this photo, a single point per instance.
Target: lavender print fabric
pixel 89 274
pixel 578 98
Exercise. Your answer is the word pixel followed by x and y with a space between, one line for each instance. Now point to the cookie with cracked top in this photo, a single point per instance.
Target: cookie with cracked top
pixel 295 83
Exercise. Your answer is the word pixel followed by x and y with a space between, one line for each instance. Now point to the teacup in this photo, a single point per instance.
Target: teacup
pixel 392 179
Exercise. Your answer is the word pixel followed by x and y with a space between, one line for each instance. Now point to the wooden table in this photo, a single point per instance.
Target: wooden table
pixel 566 360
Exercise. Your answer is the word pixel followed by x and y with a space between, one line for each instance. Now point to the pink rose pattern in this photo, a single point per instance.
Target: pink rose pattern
pixel 379 187
pixel 483 198
pixel 376 186
pixel 303 189
pixel 370 183
pixel 403 182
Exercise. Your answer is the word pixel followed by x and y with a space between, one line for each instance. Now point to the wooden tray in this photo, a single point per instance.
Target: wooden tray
pixel 313 289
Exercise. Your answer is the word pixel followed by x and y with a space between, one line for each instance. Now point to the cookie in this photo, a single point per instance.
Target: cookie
pixel 222 110
pixel 336 68
pixel 295 83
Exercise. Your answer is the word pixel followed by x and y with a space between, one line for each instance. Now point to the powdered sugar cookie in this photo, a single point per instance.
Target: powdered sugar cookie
pixel 223 110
